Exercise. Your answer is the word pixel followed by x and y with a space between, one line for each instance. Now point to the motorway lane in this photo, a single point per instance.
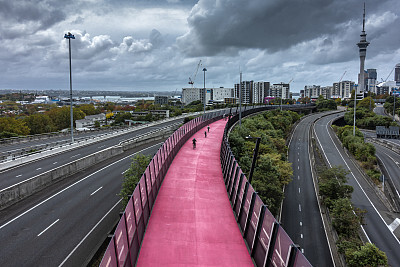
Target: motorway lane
pixel 379 110
pixel 46 234
pixel 22 172
pixel 375 226
pixel 391 162
pixel 301 217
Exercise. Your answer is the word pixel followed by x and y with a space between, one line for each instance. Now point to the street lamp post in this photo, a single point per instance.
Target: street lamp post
pixel 70 36
pixel 204 70
pixel 240 99
pixel 394 105
pixel 255 154
pixel 355 104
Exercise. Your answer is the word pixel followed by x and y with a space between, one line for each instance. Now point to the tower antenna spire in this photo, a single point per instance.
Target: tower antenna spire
pixel 364 19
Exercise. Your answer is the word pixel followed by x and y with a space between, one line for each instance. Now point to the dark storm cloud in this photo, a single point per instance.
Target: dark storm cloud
pixel 216 26
pixel 24 17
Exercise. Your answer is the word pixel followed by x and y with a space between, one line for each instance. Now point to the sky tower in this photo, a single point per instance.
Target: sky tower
pixel 362 45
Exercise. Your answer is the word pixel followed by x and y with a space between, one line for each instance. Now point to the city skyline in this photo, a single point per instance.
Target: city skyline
pixel 156 45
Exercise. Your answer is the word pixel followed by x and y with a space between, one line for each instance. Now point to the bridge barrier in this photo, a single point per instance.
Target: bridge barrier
pixel 19 191
pixel 123 249
pixel 269 242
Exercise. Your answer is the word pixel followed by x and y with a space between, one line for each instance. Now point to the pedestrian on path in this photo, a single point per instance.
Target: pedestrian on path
pixel 208 128
pixel 205 134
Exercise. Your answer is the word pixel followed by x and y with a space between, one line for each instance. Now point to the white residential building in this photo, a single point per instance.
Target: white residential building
pixel 280 90
pixel 194 94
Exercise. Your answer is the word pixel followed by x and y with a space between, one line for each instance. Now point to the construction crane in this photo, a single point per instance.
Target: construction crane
pixel 341 78
pixel 389 75
pixel 193 78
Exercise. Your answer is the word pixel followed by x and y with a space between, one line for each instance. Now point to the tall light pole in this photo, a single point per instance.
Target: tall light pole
pixel 240 99
pixel 204 111
pixel 394 105
pixel 70 36
pixel 355 104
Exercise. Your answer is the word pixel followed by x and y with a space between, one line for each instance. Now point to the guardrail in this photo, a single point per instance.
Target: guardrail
pixel 267 242
pixel 123 249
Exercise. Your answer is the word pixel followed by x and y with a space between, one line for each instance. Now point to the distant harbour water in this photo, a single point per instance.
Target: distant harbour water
pixel 118 99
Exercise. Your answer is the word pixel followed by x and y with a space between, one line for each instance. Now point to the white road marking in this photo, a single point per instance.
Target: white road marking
pixel 55 162
pixel 340 154
pixel 301 235
pixel 393 226
pixel 69 255
pixel 96 191
pixel 298 159
pixel 302 250
pixel 19 175
pixel 299 190
pixel 68 187
pixel 299 207
pixel 301 224
pixel 74 156
pixel 298 177
pixel 298 167
pixel 38 169
pixel 48 227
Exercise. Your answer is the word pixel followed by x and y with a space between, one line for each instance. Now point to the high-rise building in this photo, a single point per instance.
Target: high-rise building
pixel 245 94
pixel 194 94
pixel 397 74
pixel 280 90
pixel 371 80
pixel 343 89
pixel 362 45
pixel 260 91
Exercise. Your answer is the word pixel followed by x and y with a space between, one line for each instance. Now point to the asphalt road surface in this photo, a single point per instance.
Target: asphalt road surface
pixel 301 217
pixel 23 172
pixel 65 225
pixel 363 197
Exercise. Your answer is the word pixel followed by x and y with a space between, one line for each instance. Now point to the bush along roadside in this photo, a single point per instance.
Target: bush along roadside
pixel 363 152
pixel 272 170
pixel 132 177
pixel 346 219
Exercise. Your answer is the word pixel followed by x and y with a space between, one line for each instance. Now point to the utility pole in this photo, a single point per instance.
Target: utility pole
pixel 240 99
pixel 70 36
pixel 205 93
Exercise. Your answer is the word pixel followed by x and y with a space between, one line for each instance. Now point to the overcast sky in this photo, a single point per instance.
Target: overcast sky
pixel 155 45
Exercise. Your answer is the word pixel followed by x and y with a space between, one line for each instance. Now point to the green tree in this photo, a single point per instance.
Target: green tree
pixel 132 176
pixel 61 116
pixel 332 185
pixel 88 109
pixel 39 123
pixel 344 220
pixel 13 126
pixel 367 103
pixel 367 255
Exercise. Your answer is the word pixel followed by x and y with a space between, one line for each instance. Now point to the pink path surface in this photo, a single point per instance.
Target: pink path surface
pixel 192 223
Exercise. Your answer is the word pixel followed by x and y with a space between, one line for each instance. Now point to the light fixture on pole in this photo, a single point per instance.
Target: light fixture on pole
pixel 255 154
pixel 355 104
pixel 70 36
pixel 394 105
pixel 204 70
pixel 240 99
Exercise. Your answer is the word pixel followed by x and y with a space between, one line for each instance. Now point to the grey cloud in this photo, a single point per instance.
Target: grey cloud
pixel 273 25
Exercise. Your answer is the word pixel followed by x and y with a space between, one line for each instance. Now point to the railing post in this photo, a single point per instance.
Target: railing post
pixel 246 188
pixel 238 191
pixel 249 215
pixel 258 229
